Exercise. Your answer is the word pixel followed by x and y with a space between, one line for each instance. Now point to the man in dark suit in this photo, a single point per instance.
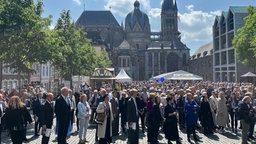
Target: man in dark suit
pixel 132 119
pixel 141 110
pixel 47 118
pixel 123 110
pixel 62 111
pixel 36 106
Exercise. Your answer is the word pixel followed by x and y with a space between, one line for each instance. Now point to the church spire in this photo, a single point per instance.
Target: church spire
pixel 169 20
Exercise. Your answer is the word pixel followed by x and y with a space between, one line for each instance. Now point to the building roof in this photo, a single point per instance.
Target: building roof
pixel 203 51
pixel 137 17
pixel 238 9
pixel 218 18
pixel 224 13
pixel 93 18
pixel 124 45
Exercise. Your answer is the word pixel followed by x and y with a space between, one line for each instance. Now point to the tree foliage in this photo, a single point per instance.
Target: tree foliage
pixel 26 37
pixel 245 41
pixel 103 60
pixel 74 53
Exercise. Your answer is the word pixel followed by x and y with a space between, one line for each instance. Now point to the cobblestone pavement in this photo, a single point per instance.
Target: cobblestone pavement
pixel 218 138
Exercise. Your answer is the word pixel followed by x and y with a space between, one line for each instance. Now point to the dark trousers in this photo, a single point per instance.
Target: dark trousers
pixel 155 133
pixel 191 130
pixel 37 127
pixel 115 126
pixel 133 135
pixel 234 121
pixel 181 117
pixel 16 136
pixel 62 133
pixel 45 140
pixel 142 120
pixel 24 133
pixel 77 121
pixel 123 122
pixel 0 132
pixel 92 114
pixel 251 129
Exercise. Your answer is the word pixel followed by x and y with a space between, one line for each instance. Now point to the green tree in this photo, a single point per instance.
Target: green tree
pixel 103 60
pixel 245 41
pixel 74 53
pixel 26 37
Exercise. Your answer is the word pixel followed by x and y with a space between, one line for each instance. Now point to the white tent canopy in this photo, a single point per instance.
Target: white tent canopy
pixel 178 75
pixel 249 74
pixel 123 77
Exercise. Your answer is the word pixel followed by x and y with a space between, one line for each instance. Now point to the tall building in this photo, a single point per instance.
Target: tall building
pixel 134 47
pixel 226 67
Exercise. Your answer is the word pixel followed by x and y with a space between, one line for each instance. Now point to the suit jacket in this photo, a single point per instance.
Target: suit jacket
pixel 244 112
pixel 140 105
pixel 36 106
pixel 62 111
pixel 123 106
pixel 47 114
pixel 132 115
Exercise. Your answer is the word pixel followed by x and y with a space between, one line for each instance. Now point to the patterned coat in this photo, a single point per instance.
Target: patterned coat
pixel 222 112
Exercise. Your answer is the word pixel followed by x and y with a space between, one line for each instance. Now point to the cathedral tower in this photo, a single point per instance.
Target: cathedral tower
pixel 169 20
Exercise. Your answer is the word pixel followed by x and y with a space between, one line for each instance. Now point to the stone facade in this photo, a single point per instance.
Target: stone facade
pixel 201 62
pixel 134 47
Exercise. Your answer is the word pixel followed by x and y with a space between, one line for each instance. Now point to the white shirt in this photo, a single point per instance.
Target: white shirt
pixel 66 99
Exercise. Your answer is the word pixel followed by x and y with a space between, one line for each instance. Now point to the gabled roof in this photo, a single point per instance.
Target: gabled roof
pixel 224 13
pixel 93 18
pixel 238 9
pixel 125 45
pixel 217 20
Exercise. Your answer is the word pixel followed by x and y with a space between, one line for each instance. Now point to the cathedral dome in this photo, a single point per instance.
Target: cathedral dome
pixel 137 20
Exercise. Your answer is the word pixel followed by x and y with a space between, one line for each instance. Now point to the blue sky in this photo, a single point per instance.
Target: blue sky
pixel 196 16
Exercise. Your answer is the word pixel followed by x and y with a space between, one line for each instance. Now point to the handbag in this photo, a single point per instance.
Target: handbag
pixel 100 117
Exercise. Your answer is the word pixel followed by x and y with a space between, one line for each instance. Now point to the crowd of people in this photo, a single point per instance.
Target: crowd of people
pixel 138 107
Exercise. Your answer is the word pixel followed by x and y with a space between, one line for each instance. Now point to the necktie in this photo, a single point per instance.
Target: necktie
pixel 135 106
pixel 66 99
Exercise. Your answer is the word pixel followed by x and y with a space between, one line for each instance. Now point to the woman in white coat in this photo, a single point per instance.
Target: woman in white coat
pixel 105 130
pixel 83 116
pixel 222 112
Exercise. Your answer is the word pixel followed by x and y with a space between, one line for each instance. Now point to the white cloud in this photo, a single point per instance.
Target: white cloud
pixel 190 7
pixel 155 12
pixel 123 7
pixel 77 1
pixel 196 25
